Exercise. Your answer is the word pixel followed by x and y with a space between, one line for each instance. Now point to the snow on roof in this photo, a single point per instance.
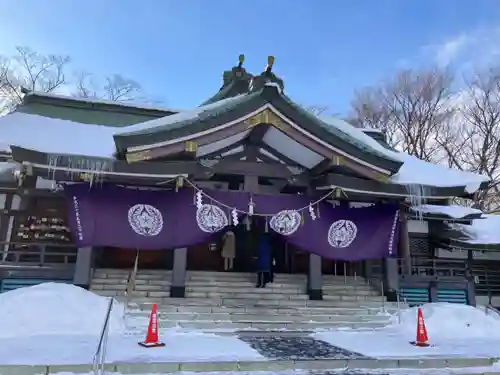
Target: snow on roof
pixel 102 101
pixel 67 137
pixel 414 171
pixel 56 136
pixel 418 172
pixel 484 231
pixel 371 130
pixel 359 135
pixel 454 211
pixel 177 118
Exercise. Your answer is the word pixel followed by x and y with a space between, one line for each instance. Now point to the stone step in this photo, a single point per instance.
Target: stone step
pixel 100 281
pixel 254 310
pixel 252 279
pixel 246 317
pixel 250 296
pixel 352 297
pixel 135 294
pixel 244 284
pixel 124 276
pixel 356 292
pixel 140 326
pixel 215 274
pixel 349 287
pixel 232 288
pixel 138 287
pixel 242 302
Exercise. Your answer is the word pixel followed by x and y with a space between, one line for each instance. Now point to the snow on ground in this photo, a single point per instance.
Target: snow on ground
pixel 79 349
pixel 379 371
pixel 454 330
pixel 56 323
pixel 482 231
pixel 56 309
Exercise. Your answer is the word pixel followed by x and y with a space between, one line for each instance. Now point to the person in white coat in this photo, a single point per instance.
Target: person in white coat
pixel 228 250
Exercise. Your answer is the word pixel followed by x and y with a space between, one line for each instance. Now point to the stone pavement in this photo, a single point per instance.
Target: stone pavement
pixel 297 348
pixel 316 367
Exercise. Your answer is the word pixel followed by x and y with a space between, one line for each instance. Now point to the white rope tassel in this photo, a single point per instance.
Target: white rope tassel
pixel 250 207
pixel 234 214
pixel 199 199
pixel 312 213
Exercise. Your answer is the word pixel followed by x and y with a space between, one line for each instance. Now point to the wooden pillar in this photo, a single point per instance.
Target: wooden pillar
pixel 178 283
pixel 315 278
pixel 82 275
pixel 315 272
pixel 404 243
pixel 6 224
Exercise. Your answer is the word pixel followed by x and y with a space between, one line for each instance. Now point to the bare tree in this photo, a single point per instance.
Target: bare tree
pixel 46 73
pixel 114 87
pixel 32 70
pixel 480 151
pixel 412 109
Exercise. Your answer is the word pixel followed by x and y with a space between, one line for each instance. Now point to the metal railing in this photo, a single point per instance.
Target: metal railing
pixel 99 359
pixel 432 267
pixel 38 254
pixel 486 280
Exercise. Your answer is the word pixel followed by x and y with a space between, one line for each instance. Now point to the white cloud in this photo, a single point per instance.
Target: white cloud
pixel 471 49
pixel 451 49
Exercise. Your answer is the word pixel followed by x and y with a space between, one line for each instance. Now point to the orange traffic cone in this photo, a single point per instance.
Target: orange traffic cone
pixel 422 339
pixel 152 334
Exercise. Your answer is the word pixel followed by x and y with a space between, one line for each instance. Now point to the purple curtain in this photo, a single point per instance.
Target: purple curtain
pixel 121 217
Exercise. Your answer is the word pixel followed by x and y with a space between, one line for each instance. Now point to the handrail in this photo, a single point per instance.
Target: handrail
pixel 132 276
pixel 100 353
pixel 490 307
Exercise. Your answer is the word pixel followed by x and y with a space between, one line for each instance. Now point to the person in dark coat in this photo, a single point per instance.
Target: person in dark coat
pixel 264 261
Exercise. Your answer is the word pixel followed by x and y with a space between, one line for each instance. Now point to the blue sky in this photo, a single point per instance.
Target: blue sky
pixel 324 49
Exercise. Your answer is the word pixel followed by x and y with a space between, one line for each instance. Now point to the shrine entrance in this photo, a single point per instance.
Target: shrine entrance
pixel 207 256
pixel 113 257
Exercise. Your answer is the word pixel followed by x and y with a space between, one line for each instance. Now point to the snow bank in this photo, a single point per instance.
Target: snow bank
pixel 446 321
pixel 454 331
pixel 56 309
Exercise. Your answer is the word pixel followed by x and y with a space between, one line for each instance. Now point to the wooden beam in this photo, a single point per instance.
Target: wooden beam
pixel 223 150
pixel 280 156
pixel 180 146
pixel 283 126
pixel 252 168
pixel 257 134
pixel 322 167
pixel 376 188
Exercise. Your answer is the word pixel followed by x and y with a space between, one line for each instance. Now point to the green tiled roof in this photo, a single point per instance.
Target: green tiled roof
pixel 336 131
pixel 183 119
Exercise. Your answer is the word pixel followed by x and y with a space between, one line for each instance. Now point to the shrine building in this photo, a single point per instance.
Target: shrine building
pixel 90 184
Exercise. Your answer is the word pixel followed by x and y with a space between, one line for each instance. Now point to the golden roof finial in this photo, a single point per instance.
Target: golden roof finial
pixel 270 63
pixel 241 60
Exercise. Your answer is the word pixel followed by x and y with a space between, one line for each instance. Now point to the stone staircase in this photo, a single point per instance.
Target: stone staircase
pixel 229 301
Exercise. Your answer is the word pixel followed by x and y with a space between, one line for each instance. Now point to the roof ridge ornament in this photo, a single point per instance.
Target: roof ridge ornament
pixel 241 60
pixel 266 77
pixel 270 63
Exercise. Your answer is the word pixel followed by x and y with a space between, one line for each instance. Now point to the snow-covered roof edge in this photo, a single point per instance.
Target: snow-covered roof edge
pixel 483 231
pixel 452 211
pixel 102 101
